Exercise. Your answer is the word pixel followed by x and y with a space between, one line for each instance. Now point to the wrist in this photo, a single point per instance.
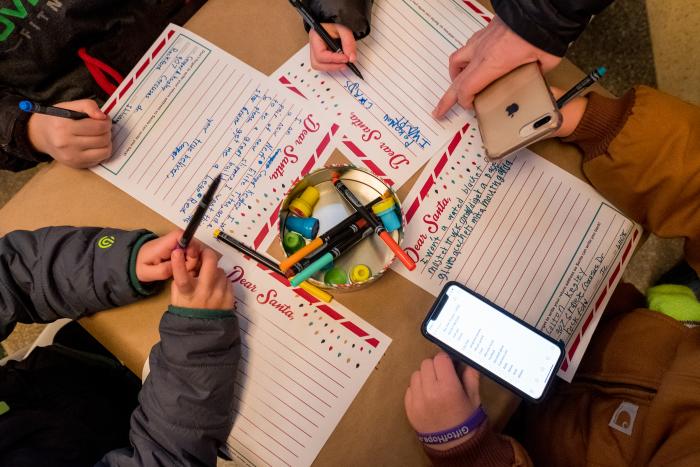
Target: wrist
pixel 447 439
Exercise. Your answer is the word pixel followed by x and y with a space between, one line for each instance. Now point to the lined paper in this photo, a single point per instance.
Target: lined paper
pixel 385 120
pixel 188 112
pixel 302 364
pixel 523 233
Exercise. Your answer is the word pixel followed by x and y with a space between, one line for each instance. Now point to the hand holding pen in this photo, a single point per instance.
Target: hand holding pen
pixel 328 53
pixel 74 133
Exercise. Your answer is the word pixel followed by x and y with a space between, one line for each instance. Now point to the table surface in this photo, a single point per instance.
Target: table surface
pixel 374 430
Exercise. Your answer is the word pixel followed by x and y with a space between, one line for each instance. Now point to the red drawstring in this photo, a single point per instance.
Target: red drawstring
pixel 98 68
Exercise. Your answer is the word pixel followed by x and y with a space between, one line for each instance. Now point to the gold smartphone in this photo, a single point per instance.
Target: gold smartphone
pixel 515 111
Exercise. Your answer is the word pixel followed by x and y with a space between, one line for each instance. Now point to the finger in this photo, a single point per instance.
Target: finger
pixel 92 157
pixel 181 278
pixel 445 369
pixel 427 373
pixel 85 143
pixel 475 77
pixel 331 58
pixel 460 59
pixel 88 106
pixel 91 127
pixel 208 271
pixel 446 102
pixel 321 53
pixel 416 384
pixel 159 272
pixel 194 251
pixel 347 40
pixel 470 381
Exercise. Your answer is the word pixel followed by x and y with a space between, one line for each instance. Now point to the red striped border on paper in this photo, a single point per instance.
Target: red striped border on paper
pixel 604 293
pixel 442 162
pixel 485 15
pixel 323 307
pixel 310 164
pixel 119 95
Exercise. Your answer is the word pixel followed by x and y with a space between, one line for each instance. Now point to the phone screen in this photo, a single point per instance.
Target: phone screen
pixel 495 341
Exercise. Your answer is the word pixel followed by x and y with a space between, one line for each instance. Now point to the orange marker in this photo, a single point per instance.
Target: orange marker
pixel 373 222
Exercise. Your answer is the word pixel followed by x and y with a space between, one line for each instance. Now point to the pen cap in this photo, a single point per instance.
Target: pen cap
pixel 360 273
pixel 386 212
pixel 303 206
pixel 26 106
pixel 335 276
pixel 306 226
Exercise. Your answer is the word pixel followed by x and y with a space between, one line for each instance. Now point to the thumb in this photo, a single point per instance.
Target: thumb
pixel 470 381
pixel 347 40
pixel 181 278
pixel 88 106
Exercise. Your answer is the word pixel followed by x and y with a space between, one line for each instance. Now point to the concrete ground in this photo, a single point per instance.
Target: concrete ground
pixel 651 42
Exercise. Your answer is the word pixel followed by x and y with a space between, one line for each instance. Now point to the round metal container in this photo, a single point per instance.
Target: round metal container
pixel 331 209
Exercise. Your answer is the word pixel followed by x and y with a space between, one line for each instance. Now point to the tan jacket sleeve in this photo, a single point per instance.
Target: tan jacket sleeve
pixel 642 153
pixel 484 449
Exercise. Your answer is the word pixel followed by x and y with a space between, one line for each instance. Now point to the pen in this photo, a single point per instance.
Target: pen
pixel 33 107
pixel 332 254
pixel 267 262
pixel 316 26
pixel 377 226
pixel 574 92
pixel 323 239
pixel 202 207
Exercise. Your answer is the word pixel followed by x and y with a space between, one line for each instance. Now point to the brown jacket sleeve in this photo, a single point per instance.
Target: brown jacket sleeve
pixel 642 153
pixel 484 449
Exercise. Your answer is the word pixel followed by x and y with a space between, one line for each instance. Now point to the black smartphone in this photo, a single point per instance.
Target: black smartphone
pixel 487 337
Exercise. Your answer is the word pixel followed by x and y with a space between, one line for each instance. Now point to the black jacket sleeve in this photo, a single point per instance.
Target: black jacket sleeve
pixel 355 14
pixel 550 25
pixel 66 272
pixel 186 406
pixel 16 153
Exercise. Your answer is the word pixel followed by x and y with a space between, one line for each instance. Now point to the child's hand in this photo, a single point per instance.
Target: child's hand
pixel 153 260
pixel 571 112
pixel 325 60
pixel 76 143
pixel 210 289
pixel 437 400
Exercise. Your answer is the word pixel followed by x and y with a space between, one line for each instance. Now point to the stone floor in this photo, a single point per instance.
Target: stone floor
pixel 651 42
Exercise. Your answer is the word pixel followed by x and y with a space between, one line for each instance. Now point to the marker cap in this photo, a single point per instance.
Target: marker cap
pixel 292 242
pixel 26 106
pixel 303 206
pixel 335 276
pixel 360 273
pixel 386 212
pixel 306 226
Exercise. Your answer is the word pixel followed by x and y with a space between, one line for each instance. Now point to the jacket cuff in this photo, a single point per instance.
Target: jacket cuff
pixel 200 313
pixel 354 14
pixel 484 449
pixel 520 18
pixel 602 121
pixel 144 289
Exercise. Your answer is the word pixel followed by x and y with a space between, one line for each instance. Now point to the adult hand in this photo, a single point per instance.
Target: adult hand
pixel 76 143
pixel 488 55
pixel 437 400
pixel 322 58
pixel 153 259
pixel 209 289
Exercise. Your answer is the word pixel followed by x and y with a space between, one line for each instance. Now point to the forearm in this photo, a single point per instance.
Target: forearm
pixel 65 272
pixel 550 25
pixel 355 14
pixel 642 152
pixel 485 449
pixel 186 404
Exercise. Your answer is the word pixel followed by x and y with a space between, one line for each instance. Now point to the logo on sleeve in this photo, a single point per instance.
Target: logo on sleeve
pixel 106 242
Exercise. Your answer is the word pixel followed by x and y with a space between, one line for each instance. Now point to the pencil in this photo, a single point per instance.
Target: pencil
pixel 316 26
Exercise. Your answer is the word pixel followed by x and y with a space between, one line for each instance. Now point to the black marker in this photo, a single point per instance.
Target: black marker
pixel 33 107
pixel 202 207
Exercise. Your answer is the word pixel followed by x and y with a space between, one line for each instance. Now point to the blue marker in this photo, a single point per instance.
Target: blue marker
pixel 33 107
pixel 574 92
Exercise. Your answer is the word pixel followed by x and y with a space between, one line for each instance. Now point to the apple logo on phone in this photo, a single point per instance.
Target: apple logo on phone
pixel 511 109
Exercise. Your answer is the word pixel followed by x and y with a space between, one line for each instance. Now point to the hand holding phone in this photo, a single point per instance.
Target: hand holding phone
pixel 438 399
pixel 485 336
